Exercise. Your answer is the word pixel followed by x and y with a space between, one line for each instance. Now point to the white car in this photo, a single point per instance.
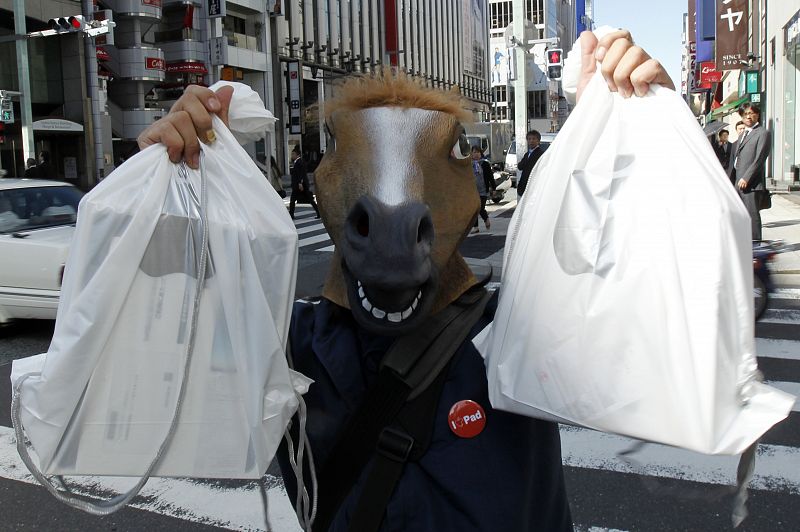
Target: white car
pixel 37 221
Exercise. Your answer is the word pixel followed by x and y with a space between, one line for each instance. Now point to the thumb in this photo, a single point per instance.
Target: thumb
pixel 588 61
pixel 224 95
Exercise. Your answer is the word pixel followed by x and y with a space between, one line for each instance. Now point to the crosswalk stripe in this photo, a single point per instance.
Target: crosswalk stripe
pixel 777 348
pixel 785 293
pixel 596 450
pixel 791 316
pixel 314 239
pixel 788 387
pixel 307 220
pixel 309 228
pixel 238 508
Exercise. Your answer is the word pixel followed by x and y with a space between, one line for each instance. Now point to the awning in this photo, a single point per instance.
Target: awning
pixel 727 109
pixel 102 55
pixel 191 67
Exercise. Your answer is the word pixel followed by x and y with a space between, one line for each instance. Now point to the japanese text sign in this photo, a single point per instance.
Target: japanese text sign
pixel 731 34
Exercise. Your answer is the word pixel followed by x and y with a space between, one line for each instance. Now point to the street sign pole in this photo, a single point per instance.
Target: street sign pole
pixel 26 115
pixel 521 81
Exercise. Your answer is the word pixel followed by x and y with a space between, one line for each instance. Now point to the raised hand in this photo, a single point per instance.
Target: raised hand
pixel 627 68
pixel 189 122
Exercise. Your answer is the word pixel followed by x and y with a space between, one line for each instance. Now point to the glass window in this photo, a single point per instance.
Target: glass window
pixel 36 207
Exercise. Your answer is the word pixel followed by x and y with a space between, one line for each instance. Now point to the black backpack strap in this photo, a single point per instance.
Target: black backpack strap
pixel 406 440
pixel 408 370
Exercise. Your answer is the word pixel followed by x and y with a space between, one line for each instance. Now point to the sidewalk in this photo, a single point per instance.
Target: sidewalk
pixel 782 222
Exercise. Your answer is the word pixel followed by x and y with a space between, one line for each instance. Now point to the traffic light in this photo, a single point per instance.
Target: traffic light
pixel 67 24
pixel 555 61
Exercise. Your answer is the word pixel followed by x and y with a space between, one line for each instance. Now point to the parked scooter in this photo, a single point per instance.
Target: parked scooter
pixel 764 253
pixel 502 182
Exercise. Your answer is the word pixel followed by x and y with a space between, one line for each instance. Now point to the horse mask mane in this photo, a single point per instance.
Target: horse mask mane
pixel 397 195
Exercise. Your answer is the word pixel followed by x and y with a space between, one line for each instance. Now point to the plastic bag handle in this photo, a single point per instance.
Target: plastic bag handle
pixel 109 506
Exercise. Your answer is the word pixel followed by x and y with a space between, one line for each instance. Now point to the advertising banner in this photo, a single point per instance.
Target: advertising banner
pixel 708 73
pixel 501 61
pixel 154 63
pixel 705 28
pixel 731 34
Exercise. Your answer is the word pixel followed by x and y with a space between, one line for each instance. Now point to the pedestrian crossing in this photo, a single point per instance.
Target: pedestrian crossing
pixel 312 235
pixel 658 488
pixel 311 232
pixel 697 489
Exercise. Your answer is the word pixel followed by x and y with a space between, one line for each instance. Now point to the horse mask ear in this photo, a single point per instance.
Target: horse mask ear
pixel 382 161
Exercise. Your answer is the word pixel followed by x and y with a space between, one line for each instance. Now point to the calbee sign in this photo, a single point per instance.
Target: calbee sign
pixel 154 63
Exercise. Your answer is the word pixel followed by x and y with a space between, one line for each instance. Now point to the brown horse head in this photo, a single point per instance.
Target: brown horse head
pixel 397 199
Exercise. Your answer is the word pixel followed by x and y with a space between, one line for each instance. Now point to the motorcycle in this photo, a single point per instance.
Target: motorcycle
pixel 502 183
pixel 764 253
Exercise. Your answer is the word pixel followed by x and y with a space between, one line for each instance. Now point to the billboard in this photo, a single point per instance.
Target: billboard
pixel 500 58
pixel 502 65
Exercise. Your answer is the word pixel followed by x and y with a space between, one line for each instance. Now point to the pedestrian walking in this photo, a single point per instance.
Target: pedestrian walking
pixel 301 190
pixel 30 168
pixel 484 180
pixel 749 172
pixel 533 138
pixel 44 169
pixel 734 147
pixel 723 149
pixel 272 173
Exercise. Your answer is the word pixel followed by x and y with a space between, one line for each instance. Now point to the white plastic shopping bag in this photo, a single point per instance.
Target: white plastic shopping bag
pixel 177 280
pixel 626 303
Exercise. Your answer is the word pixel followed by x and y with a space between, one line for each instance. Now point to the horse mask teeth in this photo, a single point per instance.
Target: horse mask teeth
pixel 395 202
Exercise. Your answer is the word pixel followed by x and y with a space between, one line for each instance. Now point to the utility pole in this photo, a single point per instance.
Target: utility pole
pixel 93 87
pixel 23 75
pixel 521 81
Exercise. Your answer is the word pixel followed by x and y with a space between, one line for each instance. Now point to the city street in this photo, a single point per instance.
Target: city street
pixel 658 488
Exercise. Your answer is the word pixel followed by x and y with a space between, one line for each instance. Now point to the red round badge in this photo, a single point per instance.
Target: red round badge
pixel 466 419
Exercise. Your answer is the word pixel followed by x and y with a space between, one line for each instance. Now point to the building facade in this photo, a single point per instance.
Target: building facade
pixel 780 47
pixel 561 19
pixel 766 72
pixel 443 42
pixel 159 47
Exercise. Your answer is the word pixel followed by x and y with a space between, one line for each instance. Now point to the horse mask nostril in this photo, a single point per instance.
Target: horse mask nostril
pixel 425 229
pixel 362 224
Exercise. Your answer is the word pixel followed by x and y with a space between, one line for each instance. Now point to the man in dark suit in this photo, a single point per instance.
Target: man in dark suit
pixel 44 169
pixel 749 171
pixel 734 147
pixel 301 191
pixel 723 149
pixel 528 161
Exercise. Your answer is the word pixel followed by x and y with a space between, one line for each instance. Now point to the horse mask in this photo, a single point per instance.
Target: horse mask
pixel 397 195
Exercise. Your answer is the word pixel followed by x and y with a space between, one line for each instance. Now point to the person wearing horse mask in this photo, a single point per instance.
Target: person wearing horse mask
pixel 399 420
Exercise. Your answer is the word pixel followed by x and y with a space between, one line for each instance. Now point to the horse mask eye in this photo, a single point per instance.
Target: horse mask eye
pixel 461 149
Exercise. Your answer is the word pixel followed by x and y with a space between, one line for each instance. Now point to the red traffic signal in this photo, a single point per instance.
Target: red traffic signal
pixel 554 57
pixel 66 24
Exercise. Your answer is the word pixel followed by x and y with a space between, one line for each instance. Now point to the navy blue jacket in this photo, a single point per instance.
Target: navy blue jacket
pixel 508 478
